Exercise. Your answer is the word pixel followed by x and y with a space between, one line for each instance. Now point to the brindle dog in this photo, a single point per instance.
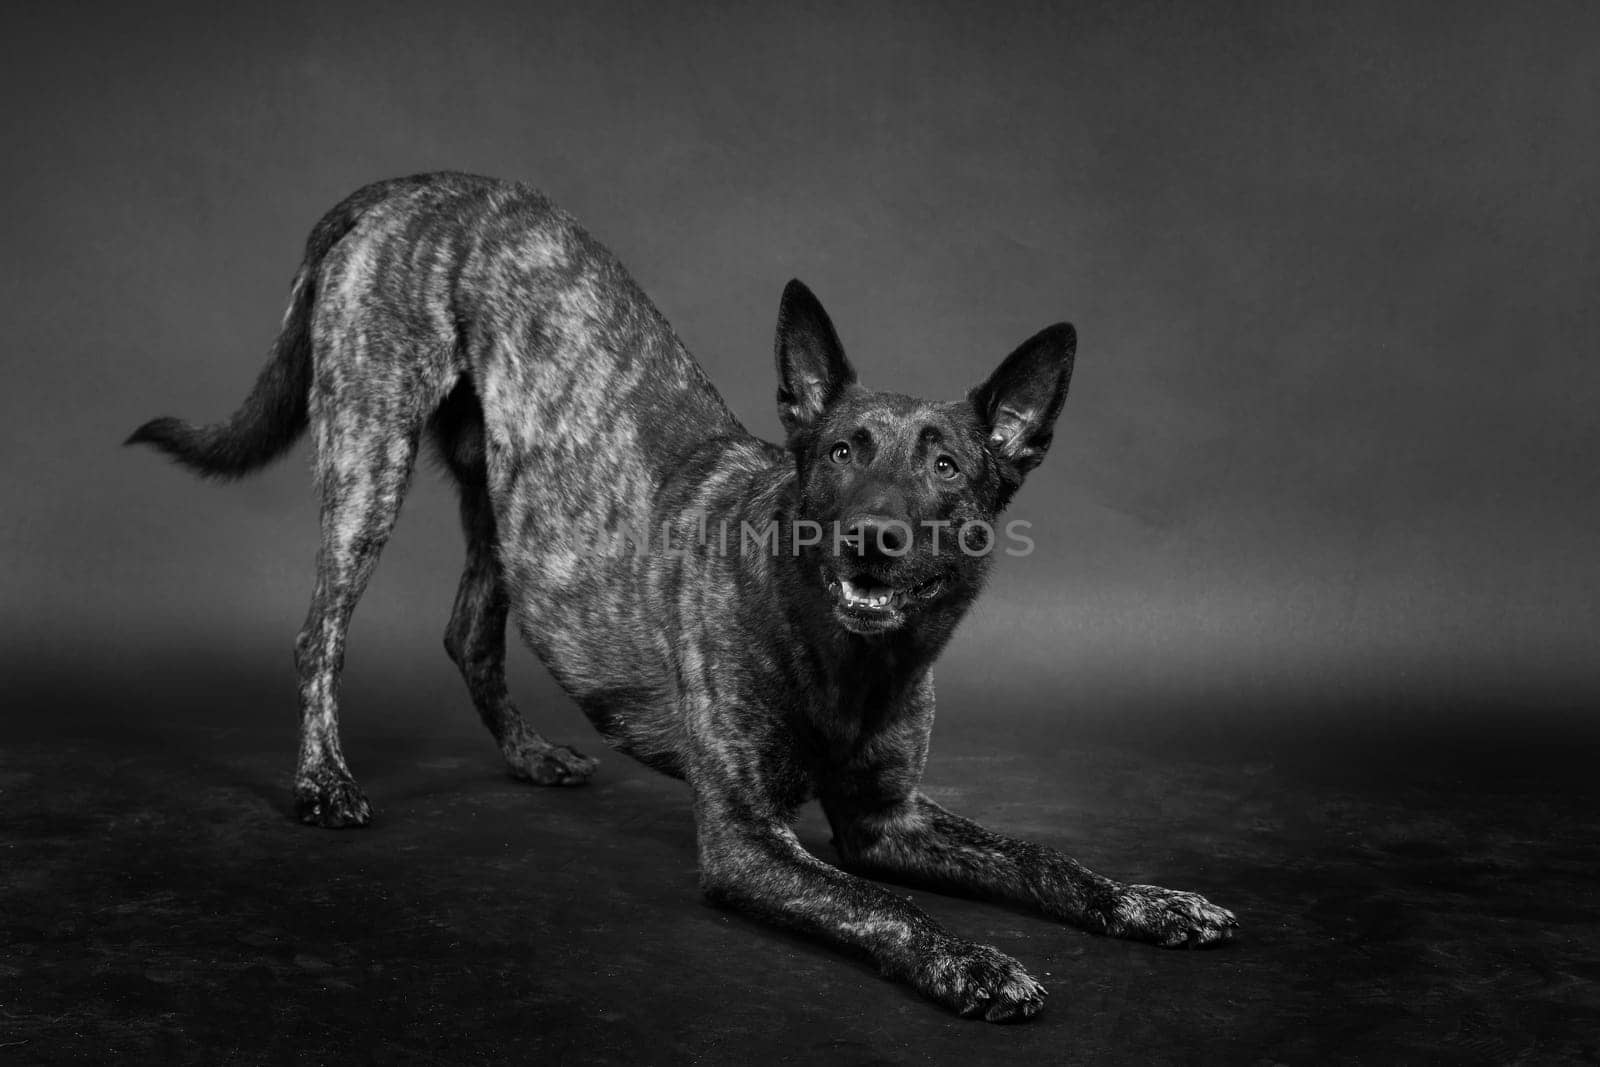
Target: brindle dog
pixel 766 669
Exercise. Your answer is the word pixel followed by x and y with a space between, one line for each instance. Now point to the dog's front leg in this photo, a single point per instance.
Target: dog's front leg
pixel 756 864
pixel 917 840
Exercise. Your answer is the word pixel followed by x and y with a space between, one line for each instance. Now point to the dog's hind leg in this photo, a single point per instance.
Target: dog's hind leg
pixel 476 641
pixel 476 635
pixel 365 457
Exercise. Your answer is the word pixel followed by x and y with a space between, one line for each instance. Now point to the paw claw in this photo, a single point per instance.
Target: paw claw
pixel 1170 918
pixel 334 803
pixel 978 981
pixel 551 765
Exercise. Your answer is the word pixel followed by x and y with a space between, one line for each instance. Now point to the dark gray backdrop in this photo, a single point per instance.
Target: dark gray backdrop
pixel 1329 454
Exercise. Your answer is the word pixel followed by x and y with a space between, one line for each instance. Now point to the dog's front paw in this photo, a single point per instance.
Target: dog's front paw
pixel 547 764
pixel 1170 918
pixel 976 981
pixel 334 803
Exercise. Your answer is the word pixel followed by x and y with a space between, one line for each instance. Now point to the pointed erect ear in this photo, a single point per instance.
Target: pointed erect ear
pixel 812 370
pixel 1019 403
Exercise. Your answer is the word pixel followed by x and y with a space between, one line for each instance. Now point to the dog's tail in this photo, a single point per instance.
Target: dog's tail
pixel 274 415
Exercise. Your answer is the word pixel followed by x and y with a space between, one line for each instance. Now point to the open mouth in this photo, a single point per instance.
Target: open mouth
pixel 868 605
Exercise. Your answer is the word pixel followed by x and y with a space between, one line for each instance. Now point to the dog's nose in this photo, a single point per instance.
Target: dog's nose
pixel 878 535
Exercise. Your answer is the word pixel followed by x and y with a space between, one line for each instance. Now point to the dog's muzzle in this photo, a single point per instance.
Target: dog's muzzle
pixel 864 604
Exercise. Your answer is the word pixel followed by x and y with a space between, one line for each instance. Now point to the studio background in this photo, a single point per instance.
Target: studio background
pixel 1323 495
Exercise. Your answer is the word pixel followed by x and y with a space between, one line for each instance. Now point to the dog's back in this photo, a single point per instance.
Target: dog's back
pixel 590 405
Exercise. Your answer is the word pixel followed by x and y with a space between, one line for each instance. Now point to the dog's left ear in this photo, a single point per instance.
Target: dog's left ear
pixel 812 369
pixel 1019 403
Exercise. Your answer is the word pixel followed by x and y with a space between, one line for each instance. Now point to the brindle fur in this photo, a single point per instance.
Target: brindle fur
pixel 477 314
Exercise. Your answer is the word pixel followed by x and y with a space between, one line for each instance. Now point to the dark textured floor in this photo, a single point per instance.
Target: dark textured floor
pixel 1417 895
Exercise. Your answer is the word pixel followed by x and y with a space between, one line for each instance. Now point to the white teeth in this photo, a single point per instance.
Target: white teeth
pixel 860 598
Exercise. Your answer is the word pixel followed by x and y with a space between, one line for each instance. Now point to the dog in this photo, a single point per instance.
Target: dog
pixel 786 661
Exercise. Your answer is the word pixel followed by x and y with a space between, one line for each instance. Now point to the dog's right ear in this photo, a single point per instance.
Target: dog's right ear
pixel 812 369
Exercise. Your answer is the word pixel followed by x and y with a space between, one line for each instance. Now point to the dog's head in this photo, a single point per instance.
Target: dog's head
pixel 899 497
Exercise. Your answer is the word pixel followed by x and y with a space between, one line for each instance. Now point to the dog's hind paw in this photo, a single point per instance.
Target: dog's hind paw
pixel 979 982
pixel 549 764
pixel 334 804
pixel 1170 918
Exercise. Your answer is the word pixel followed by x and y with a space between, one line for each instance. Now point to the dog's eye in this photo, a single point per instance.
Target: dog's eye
pixel 946 467
pixel 840 453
